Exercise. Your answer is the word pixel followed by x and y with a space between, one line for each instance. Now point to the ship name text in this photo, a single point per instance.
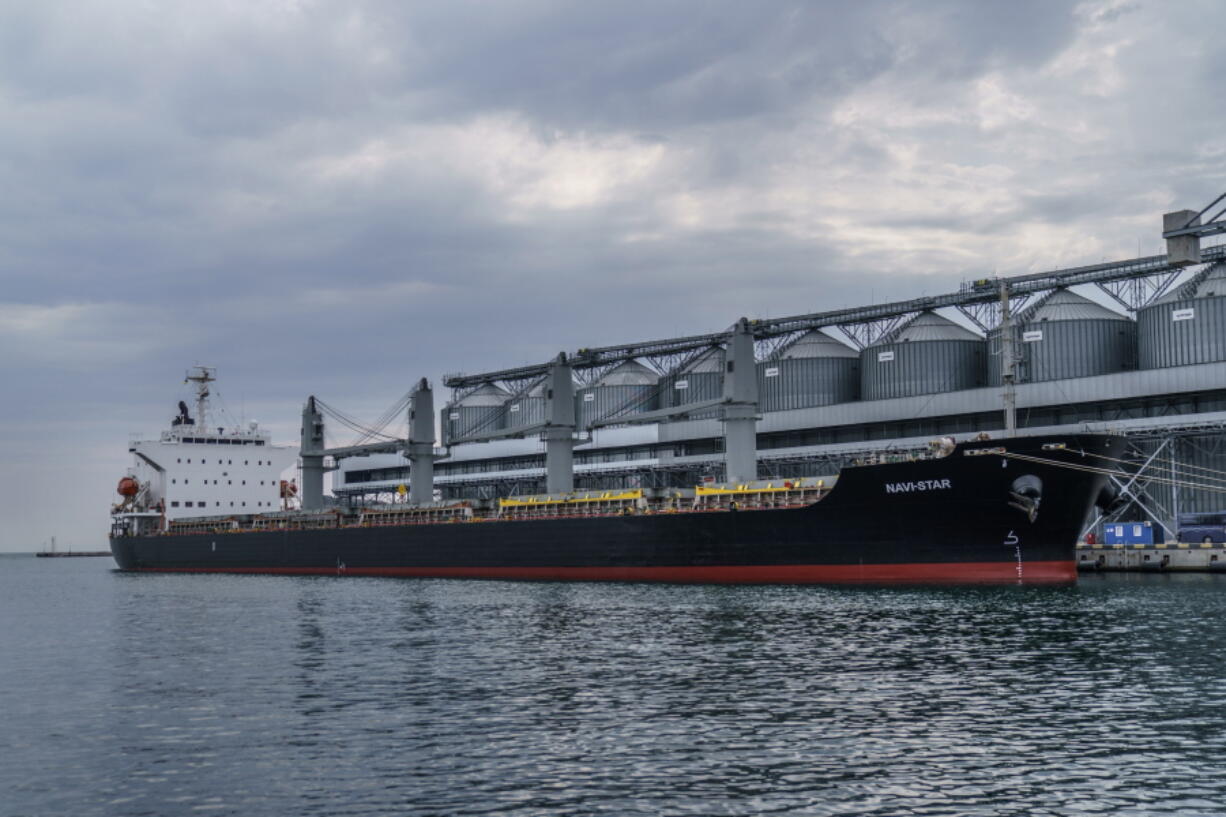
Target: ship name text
pixel 920 485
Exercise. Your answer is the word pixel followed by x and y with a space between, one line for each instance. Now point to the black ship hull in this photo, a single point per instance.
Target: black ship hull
pixel 1000 511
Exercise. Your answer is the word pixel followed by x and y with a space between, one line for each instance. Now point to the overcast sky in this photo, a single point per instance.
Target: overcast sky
pixel 338 198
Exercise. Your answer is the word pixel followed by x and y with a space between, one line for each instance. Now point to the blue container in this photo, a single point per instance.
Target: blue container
pixel 1128 533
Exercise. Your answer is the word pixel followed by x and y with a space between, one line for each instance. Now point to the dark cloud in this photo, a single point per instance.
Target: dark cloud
pixel 340 198
pixel 641 64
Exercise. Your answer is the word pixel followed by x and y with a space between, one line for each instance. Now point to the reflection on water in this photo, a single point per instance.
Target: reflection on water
pixel 270 695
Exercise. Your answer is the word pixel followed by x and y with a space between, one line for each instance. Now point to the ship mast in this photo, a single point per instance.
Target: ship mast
pixel 1007 360
pixel 202 376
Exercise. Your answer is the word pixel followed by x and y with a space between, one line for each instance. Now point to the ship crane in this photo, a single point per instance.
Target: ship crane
pixel 418 447
pixel 738 407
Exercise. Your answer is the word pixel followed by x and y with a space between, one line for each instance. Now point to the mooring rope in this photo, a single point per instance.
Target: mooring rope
pixel 1179 467
pixel 1094 469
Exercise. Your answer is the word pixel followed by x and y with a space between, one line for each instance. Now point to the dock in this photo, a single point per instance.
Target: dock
pixel 1173 557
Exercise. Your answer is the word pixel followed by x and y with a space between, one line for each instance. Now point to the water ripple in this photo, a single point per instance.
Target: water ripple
pixel 319 696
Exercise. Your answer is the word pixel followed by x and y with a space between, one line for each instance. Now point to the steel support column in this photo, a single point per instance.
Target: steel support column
pixel 312 455
pixel 420 448
pixel 559 433
pixel 740 413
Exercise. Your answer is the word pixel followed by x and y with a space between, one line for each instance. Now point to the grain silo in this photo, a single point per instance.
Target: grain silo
pixel 479 411
pixel 814 370
pixel 700 380
pixel 629 388
pixel 926 355
pixel 1188 326
pixel 1065 335
pixel 529 408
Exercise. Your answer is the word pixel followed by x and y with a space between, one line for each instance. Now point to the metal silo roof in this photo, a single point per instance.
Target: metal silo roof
pixel 1062 305
pixel 710 361
pixel 485 395
pixel 817 344
pixel 630 373
pixel 928 326
pixel 539 389
pixel 1207 284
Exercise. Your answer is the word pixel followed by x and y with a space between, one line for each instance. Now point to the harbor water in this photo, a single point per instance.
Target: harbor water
pixel 246 695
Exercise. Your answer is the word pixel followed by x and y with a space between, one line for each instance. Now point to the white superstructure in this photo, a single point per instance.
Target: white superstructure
pixel 196 469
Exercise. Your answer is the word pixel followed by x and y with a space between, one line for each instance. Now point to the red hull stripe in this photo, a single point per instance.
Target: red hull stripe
pixel 1049 572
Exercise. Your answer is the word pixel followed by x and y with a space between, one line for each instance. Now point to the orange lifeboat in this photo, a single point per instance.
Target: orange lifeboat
pixel 288 490
pixel 128 486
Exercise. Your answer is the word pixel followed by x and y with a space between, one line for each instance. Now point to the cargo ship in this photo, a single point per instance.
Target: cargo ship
pixel 210 500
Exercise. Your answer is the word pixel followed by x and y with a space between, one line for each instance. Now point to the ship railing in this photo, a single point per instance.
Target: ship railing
pixel 890 456
pixel 221 525
pixel 313 521
pixel 379 517
pixel 573 505
pixel 674 502
pixel 762 495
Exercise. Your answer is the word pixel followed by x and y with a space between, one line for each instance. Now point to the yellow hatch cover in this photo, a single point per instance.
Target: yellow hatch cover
pixel 760 488
pixel 590 496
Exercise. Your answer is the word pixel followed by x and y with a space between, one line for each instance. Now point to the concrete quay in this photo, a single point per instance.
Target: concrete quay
pixel 1173 556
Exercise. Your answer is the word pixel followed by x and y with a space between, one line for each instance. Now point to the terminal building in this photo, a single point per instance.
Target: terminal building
pixel 1135 347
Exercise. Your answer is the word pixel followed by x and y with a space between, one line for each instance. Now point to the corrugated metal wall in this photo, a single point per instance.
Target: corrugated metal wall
pixel 526 411
pixel 1199 465
pixel 692 387
pixel 1058 350
pixel 1179 333
pixel 481 410
pixel 922 367
pixel 460 421
pixel 806 382
pixel 599 402
pixel 1201 460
